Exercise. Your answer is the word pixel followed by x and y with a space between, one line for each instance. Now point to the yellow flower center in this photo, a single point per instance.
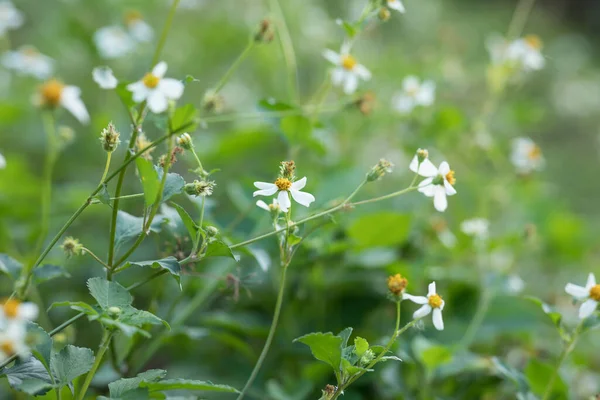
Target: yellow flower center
pixel 533 41
pixel 435 301
pixel 283 183
pixel 150 81
pixel 450 177
pixel 30 51
pixel 11 308
pixel 132 16
pixel 534 153
pixel 51 92
pixel 7 347
pixel 397 283
pixel 595 292
pixel 348 62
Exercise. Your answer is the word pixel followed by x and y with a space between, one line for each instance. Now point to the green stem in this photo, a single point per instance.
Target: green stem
pixel 108 158
pixel 165 33
pixel 99 354
pixel 569 347
pixel 274 114
pixel 475 324
pixel 95 257
pixel 233 67
pixel 199 235
pixel 387 196
pixel 287 46
pixel 519 19
pixel 197 158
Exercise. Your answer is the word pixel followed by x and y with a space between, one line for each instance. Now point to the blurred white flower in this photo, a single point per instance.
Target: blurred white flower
pixel 433 302
pixel 189 4
pixel 138 28
pixel 113 42
pixel 514 284
pixel 15 312
pixel 12 341
pixel 526 155
pixel 414 93
pixel 273 207
pixel 2 161
pixel 476 227
pixel 54 93
pixel 527 52
pixel 10 17
pixel 590 295
pixel 104 77
pixel 437 183
pixel 347 71
pixel 285 187
pixel 497 46
pixel 155 89
pixel 396 5
pixel 28 61
pixel 444 234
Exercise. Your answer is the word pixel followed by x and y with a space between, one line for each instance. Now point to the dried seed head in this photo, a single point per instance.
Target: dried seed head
pixel 71 247
pixel 109 137
pixel 379 170
pixel 200 188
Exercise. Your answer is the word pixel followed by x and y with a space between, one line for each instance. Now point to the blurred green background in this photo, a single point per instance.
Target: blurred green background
pixel 543 227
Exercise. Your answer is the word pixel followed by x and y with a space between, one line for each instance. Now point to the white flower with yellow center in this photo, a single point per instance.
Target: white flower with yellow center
pixel 527 51
pixel 12 341
pixel 476 227
pixel 2 161
pixel 28 61
pixel 113 42
pixel 414 93
pixel 104 77
pixel 54 93
pixel 285 187
pixel 273 207
pixel 156 90
pixel 396 5
pixel 590 295
pixel 10 17
pixel 438 182
pixel 14 312
pixel 526 156
pixel 433 302
pixel 347 71
pixel 138 28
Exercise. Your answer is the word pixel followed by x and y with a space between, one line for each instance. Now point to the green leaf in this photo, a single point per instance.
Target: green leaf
pixel 41 343
pixel 349 28
pixel 80 306
pixel 218 248
pixel 174 184
pixel 431 355
pixel 120 387
pixel 129 227
pixel 185 118
pixel 380 229
pixel 149 178
pixel 294 240
pixel 512 374
pixel 10 266
pixel 299 131
pixel 539 374
pixel 47 272
pixel 170 264
pixel 350 369
pixel 188 222
pixel 109 294
pixel 173 384
pixel 138 318
pixel 360 346
pixel 591 323
pixel 125 94
pixel 70 363
pixel 23 372
pixel 274 105
pixel 345 335
pixel 324 347
pixel 554 315
pixel 104 195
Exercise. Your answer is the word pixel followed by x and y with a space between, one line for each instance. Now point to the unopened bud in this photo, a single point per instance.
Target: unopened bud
pixel 328 392
pixel 185 141
pixel 367 357
pixel 384 14
pixel 265 33
pixel 200 188
pixel 114 312
pixel 109 137
pixel 213 102
pixel 379 170
pixel 422 155
pixel 397 284
pixel 212 231
pixel 71 247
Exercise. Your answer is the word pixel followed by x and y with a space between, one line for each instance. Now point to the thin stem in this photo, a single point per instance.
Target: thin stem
pixel 165 33
pixel 287 46
pixel 99 354
pixel 519 19
pixel 108 158
pixel 475 324
pixel 233 67
pixel 274 114
pixel 387 196
pixel 569 347
pixel 129 196
pixel 95 257
pixel 197 158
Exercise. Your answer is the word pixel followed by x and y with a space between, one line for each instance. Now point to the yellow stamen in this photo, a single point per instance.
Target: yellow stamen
pixel 348 62
pixel 533 41
pixel 132 16
pixel 51 92
pixel 534 153
pixel 283 183
pixel 595 293
pixel 450 177
pixel 30 51
pixel 11 308
pixel 7 347
pixel 397 283
pixel 435 301
pixel 150 81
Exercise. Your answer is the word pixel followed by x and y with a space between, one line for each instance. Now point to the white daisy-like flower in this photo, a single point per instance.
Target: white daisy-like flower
pixel 54 93
pixel 476 227
pixel 347 71
pixel 10 17
pixel 433 302
pixel 526 156
pixel 414 93
pixel 2 161
pixel 12 341
pixel 104 77
pixel 15 312
pixel 396 5
pixel 155 89
pixel 437 183
pixel 285 187
pixel 138 28
pixel 273 207
pixel 497 46
pixel 113 42
pixel 515 284
pixel 590 295
pixel 28 61
pixel 527 51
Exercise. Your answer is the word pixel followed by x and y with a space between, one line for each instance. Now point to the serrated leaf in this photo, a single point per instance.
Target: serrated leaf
pixel 120 387
pixel 70 363
pixel 170 264
pixel 324 347
pixel 149 178
pixel 185 118
pixel 138 318
pixel 109 294
pixel 10 266
pixel 218 248
pixel 345 335
pixel 48 271
pixel 185 384
pixel 41 343
pixel 360 346
pixel 127 329
pixel 187 220
pixel 174 184
pixel 24 372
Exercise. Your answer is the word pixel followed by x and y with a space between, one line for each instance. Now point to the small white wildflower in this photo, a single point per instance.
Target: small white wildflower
pixel 273 207
pixel 527 52
pixel 155 89
pixel 12 341
pixel 526 156
pixel 2 161
pixel 414 93
pixel 138 28
pixel 437 183
pixel 28 61
pixel 476 227
pixel 396 5
pixel 104 77
pixel 15 312
pixel 497 46
pixel 285 187
pixel 514 284
pixel 10 17
pixel 54 93
pixel 432 303
pixel 113 42
pixel 347 71
pixel 590 295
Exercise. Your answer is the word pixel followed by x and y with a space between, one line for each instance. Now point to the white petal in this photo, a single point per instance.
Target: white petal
pixel 28 311
pixel 362 72
pixel 159 69
pixel 591 281
pixel 427 169
pixel 587 308
pixel 410 83
pixel 351 83
pixel 444 168
pixel 438 321
pixel 431 289
pixel 403 104
pixel 267 189
pixel 265 185
pixel 171 88
pixel 2 161
pixel 104 77
pixel 426 95
pixel 577 291
pixel 337 76
pixel 157 102
pixel 426 187
pixel 299 184
pixel 450 191
pixel 302 197
pixel 421 312
pixel 332 56
pixel 141 31
pixel 139 90
pixel 415 299
pixel 284 200
pixel 414 163
pixel 263 205
pixel 396 5
pixel 71 101
pixel 439 198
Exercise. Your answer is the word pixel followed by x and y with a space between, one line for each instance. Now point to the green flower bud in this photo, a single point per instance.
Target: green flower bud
pixel 114 312
pixel 379 170
pixel 200 188
pixel 211 231
pixel 384 14
pixel 367 357
pixel 109 137
pixel 185 141
pixel 422 155
pixel 72 247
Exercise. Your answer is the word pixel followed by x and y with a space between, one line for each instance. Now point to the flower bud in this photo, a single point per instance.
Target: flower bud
pixel 287 170
pixel 185 141
pixel 265 33
pixel 109 137
pixel 200 188
pixel 422 155
pixel 367 357
pixel 397 284
pixel 213 102
pixel 384 14
pixel 72 247
pixel 212 231
pixel 379 170
pixel 328 392
pixel 114 312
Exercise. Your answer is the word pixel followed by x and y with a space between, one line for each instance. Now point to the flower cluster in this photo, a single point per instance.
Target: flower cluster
pixel 13 327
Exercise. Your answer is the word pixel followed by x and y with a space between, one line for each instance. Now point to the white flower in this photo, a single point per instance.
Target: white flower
pixel 2 161
pixel 104 77
pixel 285 187
pixel 54 93
pixel 497 46
pixel 155 89
pixel 437 183
pixel 28 61
pixel 414 93
pixel 476 227
pixel 590 295
pixel 433 302
pixel 527 52
pixel 10 17
pixel 274 206
pixel 526 156
pixel 138 28
pixel 12 341
pixel 347 70
pixel 396 5
pixel 514 284
pixel 113 42
pixel 14 312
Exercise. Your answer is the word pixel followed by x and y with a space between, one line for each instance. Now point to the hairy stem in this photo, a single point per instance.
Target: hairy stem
pixel 99 354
